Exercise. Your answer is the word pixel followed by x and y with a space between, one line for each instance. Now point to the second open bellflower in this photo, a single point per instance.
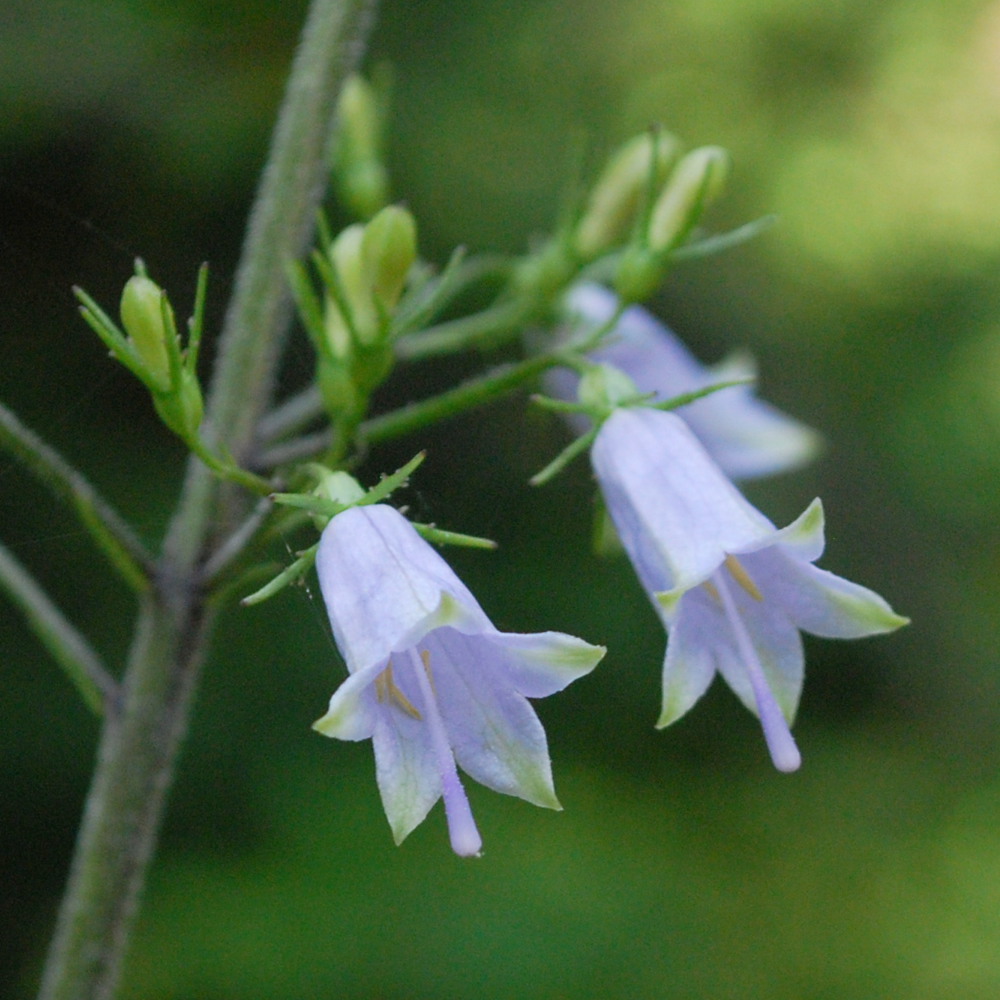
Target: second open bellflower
pixel 733 591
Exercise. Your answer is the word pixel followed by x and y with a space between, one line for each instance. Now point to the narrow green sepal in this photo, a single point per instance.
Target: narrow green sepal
pixel 113 338
pixel 574 448
pixel 196 324
pixel 605 538
pixel 706 246
pixel 292 574
pixel 429 297
pixel 392 482
pixel 324 507
pixel 307 303
pixel 559 405
pixel 440 536
pixel 320 506
pixel 689 397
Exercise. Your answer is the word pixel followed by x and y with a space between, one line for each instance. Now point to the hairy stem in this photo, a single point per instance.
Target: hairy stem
pixel 139 745
pixel 125 803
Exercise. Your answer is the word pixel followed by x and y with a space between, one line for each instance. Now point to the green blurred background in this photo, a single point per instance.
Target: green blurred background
pixel 683 865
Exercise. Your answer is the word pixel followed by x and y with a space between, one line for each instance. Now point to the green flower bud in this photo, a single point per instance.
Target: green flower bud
pixel 340 487
pixel 696 181
pixel 142 312
pixel 617 195
pixel 347 257
pixel 389 248
pixel 360 175
pixel 605 387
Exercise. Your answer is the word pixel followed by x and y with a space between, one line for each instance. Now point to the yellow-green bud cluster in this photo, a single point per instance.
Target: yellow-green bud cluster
pixel 637 169
pixel 370 264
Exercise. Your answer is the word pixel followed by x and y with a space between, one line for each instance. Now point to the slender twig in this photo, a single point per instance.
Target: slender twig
pixel 307 446
pixel 483 329
pixel 59 636
pixel 138 748
pixel 234 545
pixel 117 540
pixel 495 383
pixel 291 416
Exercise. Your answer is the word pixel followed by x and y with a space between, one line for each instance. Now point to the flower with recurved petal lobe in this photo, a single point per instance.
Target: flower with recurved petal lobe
pixel 733 591
pixel 432 682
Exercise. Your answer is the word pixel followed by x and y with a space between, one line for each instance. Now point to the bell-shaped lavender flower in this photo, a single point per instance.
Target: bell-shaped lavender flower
pixel 733 590
pixel 747 437
pixel 432 682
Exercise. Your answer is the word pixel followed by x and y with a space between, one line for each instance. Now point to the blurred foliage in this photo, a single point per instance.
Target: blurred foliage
pixel 683 866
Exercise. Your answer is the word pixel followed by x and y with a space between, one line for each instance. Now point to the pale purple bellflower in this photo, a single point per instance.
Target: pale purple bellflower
pixel 432 682
pixel 747 437
pixel 733 591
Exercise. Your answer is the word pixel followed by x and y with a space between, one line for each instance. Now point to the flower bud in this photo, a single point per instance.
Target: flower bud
pixel 340 487
pixel 389 248
pixel 617 195
pixel 142 312
pixel 347 257
pixel 361 177
pixel 696 181
pixel 605 387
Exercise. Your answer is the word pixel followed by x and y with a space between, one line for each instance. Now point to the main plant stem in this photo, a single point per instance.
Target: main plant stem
pixel 139 741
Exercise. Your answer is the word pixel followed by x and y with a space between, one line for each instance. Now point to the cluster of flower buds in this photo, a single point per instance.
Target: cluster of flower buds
pixel 697 179
pixel 645 205
pixel 364 273
pixel 151 348
pixel 631 177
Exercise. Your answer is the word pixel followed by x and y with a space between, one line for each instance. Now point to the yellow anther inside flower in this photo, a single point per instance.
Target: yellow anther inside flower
pixel 386 690
pixel 740 575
